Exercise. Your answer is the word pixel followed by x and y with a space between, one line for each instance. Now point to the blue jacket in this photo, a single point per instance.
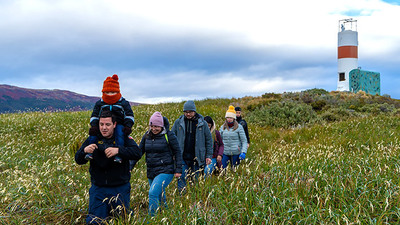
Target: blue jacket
pixel 234 139
pixel 204 141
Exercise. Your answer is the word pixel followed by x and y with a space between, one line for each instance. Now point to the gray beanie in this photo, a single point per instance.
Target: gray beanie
pixel 189 106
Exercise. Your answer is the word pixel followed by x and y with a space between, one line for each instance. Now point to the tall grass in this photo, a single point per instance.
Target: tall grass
pixel 338 173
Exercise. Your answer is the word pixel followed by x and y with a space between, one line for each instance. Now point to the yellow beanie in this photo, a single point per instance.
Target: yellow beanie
pixel 231 112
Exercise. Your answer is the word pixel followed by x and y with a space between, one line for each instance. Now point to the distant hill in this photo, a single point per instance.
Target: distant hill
pixel 16 99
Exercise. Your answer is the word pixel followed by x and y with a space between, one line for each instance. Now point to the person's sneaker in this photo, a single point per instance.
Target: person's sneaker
pixel 117 159
pixel 88 156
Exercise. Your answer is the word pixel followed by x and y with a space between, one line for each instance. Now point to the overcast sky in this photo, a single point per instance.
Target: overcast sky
pixel 183 49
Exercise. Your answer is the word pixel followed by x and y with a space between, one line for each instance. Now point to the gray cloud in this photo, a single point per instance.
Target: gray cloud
pixel 171 55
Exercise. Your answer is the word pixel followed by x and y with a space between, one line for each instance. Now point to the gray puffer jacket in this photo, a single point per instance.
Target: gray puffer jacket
pixel 234 139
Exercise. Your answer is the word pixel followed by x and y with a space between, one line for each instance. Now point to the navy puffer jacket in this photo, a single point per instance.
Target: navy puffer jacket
pixel 162 156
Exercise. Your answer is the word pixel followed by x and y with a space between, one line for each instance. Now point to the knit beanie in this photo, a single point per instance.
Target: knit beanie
pixel 231 112
pixel 237 108
pixel 189 106
pixel 156 120
pixel 111 84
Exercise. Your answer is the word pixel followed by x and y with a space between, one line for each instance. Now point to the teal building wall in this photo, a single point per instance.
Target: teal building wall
pixel 361 80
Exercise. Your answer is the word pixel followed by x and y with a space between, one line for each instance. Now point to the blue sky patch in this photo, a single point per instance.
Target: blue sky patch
pixel 393 2
pixel 355 12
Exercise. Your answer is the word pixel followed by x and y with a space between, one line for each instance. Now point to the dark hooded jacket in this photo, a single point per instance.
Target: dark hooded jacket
pixel 243 122
pixel 104 171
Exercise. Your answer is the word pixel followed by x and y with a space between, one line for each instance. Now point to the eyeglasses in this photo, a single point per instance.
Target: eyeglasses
pixel 188 112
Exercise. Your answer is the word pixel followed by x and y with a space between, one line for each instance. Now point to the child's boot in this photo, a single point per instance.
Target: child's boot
pixel 117 159
pixel 89 156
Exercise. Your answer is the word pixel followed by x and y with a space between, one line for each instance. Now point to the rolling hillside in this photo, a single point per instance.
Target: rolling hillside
pixel 16 99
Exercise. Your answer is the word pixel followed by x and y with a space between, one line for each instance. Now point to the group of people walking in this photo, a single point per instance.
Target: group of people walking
pixel 193 146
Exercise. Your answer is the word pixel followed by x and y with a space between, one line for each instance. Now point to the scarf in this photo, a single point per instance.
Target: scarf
pixel 226 125
pixel 111 99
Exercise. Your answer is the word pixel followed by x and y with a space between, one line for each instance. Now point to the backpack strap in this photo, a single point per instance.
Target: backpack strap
pixel 166 138
pixel 169 147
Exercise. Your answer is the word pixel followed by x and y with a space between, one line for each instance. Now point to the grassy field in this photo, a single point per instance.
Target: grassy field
pixel 344 172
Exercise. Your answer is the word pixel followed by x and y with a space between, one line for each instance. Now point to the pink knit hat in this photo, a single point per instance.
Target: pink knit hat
pixel 156 120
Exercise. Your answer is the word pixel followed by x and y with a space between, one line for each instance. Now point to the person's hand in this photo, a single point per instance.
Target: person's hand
pixel 90 148
pixel 177 175
pixel 208 161
pixel 219 158
pixel 127 130
pixel 248 145
pixel 242 156
pixel 111 151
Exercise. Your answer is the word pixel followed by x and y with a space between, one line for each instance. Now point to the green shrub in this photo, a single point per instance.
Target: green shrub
pixel 336 114
pixel 318 105
pixel 259 104
pixel 352 107
pixel 271 95
pixel 316 91
pixel 377 108
pixel 283 114
pixel 329 117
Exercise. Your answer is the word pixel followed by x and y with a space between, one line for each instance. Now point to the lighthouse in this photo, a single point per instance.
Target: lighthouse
pixel 347 52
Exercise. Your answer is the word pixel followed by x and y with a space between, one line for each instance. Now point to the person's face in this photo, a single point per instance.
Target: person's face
pixel 110 93
pixel 238 113
pixel 230 119
pixel 189 114
pixel 155 129
pixel 107 127
pixel 209 125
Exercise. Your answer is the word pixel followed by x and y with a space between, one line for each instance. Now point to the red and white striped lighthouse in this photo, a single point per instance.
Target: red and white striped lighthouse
pixel 347 52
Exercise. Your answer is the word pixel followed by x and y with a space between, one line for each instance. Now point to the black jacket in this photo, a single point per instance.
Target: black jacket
pixel 121 109
pixel 166 127
pixel 244 125
pixel 162 156
pixel 104 171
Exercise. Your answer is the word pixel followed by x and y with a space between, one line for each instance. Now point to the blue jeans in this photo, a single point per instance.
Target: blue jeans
pixel 107 201
pixel 233 160
pixel 210 168
pixel 157 191
pixel 190 170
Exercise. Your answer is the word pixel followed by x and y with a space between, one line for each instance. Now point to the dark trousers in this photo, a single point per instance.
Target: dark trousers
pixel 233 160
pixel 106 202
pixel 190 171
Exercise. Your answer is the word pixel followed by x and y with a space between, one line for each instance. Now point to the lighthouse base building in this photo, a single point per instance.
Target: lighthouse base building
pixel 367 81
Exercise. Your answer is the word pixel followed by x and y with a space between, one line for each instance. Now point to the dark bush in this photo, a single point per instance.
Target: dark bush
pixel 318 105
pixel 316 91
pixel 336 114
pixel 271 95
pixel 283 114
